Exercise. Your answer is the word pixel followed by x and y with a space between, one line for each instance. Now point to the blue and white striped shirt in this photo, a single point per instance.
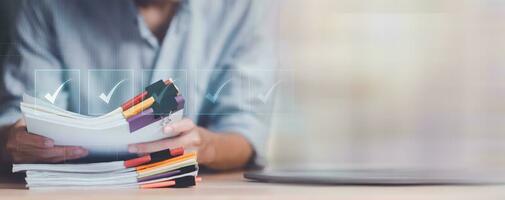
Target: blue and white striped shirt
pixel 218 52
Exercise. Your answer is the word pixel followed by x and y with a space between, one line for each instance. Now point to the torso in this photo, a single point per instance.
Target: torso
pixel 157 15
pixel 98 35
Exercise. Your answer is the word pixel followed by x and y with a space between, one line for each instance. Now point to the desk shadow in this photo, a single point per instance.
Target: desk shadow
pixel 13 181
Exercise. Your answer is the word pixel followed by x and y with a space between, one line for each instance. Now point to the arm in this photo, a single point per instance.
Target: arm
pixel 231 140
pixel 220 151
pixel 33 49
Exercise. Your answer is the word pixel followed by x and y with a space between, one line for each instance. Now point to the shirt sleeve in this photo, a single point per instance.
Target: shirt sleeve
pixel 254 62
pixel 32 49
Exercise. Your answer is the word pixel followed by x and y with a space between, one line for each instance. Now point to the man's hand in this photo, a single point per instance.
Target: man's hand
pixel 24 147
pixel 188 135
pixel 218 151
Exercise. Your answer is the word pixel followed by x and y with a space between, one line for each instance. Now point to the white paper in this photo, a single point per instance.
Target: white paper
pixel 81 168
pixel 105 136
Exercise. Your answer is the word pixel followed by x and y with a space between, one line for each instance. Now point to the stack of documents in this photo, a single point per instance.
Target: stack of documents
pixel 107 137
pixel 163 169
pixel 138 120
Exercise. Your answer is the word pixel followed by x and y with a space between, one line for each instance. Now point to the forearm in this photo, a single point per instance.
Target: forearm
pixel 231 151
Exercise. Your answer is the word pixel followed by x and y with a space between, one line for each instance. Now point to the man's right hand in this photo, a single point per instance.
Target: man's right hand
pixel 24 147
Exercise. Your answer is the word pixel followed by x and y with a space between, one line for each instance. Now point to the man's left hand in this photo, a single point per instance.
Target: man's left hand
pixel 188 135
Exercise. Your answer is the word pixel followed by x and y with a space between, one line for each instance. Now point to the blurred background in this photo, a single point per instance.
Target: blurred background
pixel 392 83
pixel 385 83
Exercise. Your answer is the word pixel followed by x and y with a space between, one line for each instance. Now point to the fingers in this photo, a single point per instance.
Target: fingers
pixel 49 155
pixel 144 148
pixel 20 140
pixel 20 123
pixel 24 147
pixel 179 127
pixel 28 139
pixel 60 153
pixel 188 140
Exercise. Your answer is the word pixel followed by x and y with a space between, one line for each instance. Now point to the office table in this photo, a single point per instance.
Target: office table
pixel 233 186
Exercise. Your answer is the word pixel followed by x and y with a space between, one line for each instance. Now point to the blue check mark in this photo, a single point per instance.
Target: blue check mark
pixel 52 97
pixel 265 96
pixel 213 97
pixel 106 98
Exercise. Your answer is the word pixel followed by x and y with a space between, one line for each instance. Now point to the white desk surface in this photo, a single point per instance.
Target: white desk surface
pixel 234 186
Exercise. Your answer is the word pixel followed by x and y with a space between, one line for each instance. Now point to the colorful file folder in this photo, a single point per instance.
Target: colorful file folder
pixel 167 168
pixel 138 120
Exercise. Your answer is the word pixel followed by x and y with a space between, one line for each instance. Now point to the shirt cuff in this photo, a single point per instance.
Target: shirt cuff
pixel 251 127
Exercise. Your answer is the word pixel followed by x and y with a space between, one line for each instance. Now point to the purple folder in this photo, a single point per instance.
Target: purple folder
pixel 180 102
pixel 159 176
pixel 176 172
pixel 147 117
pixel 142 119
